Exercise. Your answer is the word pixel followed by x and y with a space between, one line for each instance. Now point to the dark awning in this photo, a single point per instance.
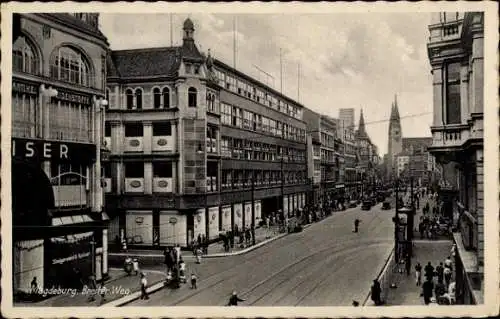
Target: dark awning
pixel 32 195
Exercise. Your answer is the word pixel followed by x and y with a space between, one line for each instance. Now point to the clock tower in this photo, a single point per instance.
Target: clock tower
pixel 395 137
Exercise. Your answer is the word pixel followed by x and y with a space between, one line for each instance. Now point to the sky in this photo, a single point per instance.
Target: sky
pixel 358 60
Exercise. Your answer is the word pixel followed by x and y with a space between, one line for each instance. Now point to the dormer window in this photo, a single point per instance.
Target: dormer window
pixel 188 69
pixel 196 69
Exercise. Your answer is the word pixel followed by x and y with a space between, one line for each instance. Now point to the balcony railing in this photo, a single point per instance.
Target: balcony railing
pixel 134 144
pixel 163 144
pixel 134 185
pixel 450 135
pixel 162 185
pixel 70 195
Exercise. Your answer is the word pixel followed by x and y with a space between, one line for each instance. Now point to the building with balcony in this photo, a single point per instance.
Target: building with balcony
pixel 455 51
pixel 197 147
pixel 58 82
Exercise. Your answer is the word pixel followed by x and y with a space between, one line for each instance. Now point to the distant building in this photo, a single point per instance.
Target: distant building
pixel 455 51
pixel 395 139
pixel 416 148
pixel 346 118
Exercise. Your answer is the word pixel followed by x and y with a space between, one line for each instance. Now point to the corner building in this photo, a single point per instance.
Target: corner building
pixel 58 81
pixel 455 52
pixel 197 147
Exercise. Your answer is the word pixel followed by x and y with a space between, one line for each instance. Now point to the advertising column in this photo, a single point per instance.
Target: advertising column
pixel 238 216
pixel 248 215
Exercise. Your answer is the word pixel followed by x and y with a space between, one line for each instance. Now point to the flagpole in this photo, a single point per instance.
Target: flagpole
pixel 298 82
pixel 234 42
pixel 281 73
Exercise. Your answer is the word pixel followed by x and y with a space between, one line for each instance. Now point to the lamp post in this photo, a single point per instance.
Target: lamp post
pixel 253 207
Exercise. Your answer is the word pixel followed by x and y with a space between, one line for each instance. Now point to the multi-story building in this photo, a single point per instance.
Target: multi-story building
pixel 58 81
pixel 455 52
pixel 197 147
pixel 346 117
pixel 416 148
pixel 403 163
pixel 312 120
pixel 346 133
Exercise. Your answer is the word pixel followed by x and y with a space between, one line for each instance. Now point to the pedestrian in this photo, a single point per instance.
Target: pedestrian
pixel 92 288
pixel 448 263
pixel 429 271
pixel 376 293
pixel 135 264
pixel 102 293
pixel 447 275
pixel 166 255
pixel 34 286
pixel 356 225
pixel 440 290
pixel 440 272
pixel 193 281
pixel 144 285
pixel 427 289
pixel 233 300
pixel 418 274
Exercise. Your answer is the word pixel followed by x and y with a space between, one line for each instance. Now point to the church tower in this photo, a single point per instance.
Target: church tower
pixel 395 137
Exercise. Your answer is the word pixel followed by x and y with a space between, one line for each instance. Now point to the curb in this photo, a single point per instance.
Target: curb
pixel 381 273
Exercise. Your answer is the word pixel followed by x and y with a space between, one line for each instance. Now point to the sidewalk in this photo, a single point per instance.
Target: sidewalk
pixel 155 257
pixel 118 286
pixel 407 292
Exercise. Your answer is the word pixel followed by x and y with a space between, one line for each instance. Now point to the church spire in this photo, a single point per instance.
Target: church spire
pixel 395 110
pixel 361 128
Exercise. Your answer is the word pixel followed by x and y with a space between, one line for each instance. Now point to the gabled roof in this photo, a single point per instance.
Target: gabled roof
pixel 144 62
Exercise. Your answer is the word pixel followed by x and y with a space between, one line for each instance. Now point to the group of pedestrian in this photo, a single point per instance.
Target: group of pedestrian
pixel 243 237
pixel 443 289
pixel 201 243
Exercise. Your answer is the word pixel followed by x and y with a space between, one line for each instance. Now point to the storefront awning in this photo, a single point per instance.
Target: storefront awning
pixel 70 220
pixel 72 238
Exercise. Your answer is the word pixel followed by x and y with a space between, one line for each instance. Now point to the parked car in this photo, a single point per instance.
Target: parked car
pixel 366 205
pixel 386 205
pixel 353 204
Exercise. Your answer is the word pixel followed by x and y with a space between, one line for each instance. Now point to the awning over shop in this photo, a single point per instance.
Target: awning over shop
pixel 72 238
pixel 69 220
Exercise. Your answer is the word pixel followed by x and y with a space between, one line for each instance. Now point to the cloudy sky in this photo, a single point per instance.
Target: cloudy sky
pixel 358 60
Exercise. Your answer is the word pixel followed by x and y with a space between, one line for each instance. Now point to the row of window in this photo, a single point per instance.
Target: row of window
pixel 161 98
pixel 136 129
pixel 67 64
pixel 235 179
pixel 67 121
pixel 136 169
pixel 244 88
pixel 234 116
pixel 250 150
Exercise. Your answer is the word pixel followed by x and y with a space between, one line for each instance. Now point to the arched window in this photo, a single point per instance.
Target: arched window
pixel 166 97
pixel 71 66
pixel 192 95
pixel 129 94
pixel 156 98
pixel 24 57
pixel 138 98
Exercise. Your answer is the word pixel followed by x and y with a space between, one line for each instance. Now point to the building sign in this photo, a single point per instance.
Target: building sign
pixel 40 150
pixel 73 97
pixel 24 88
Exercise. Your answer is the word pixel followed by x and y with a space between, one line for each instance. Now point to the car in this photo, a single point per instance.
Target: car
pixel 366 205
pixel 353 204
pixel 386 205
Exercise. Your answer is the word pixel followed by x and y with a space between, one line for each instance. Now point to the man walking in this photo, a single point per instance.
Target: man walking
pixel 440 272
pixel 447 276
pixel 427 288
pixel 356 225
pixel 418 274
pixel 429 271
pixel 376 293
pixel 193 281
pixel 144 285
